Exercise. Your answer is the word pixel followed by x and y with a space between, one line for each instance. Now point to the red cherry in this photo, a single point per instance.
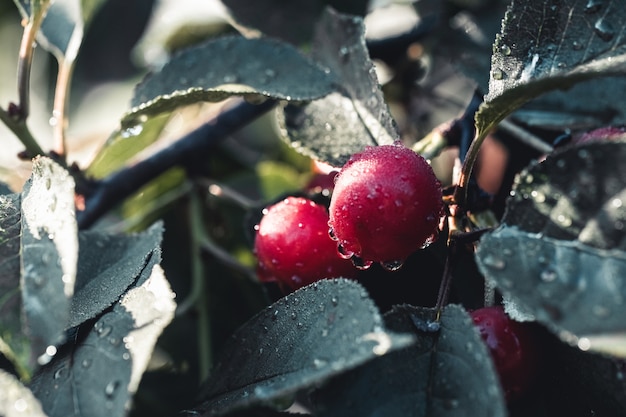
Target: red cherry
pixel 386 204
pixel 293 247
pixel 514 349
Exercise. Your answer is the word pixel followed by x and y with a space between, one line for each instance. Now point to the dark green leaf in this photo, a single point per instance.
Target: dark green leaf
pixel 98 375
pixel 16 400
pixel 14 344
pixel 49 253
pixel 62 30
pixel 108 265
pixel 445 373
pixel 343 123
pixel 220 68
pixel 301 340
pixel 292 21
pixel 578 193
pixel 551 45
pixel 560 252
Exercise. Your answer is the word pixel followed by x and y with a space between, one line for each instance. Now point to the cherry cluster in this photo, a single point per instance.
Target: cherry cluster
pixel 385 203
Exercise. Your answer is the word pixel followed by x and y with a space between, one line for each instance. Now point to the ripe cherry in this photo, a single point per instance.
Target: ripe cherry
pixel 293 247
pixel 386 204
pixel 514 349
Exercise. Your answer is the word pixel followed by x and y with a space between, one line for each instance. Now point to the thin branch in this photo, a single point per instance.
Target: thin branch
pixel 107 193
pixel 59 113
pixel 25 62
pixel 17 125
pixel 526 137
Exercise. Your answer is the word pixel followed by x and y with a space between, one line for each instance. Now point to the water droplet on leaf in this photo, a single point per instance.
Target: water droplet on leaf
pixel 494 262
pixel 548 275
pixel 604 30
pixel 593 6
pixel 110 388
pixel 392 265
pixel 498 74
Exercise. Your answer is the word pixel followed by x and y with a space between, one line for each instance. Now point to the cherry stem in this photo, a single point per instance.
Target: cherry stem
pixel 222 191
pixel 61 101
pixel 200 286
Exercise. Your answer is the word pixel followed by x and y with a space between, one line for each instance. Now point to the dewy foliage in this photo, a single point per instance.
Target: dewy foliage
pixel 445 373
pixel 549 45
pixel 341 124
pixel 75 306
pixel 298 342
pixel 560 252
pixel 230 66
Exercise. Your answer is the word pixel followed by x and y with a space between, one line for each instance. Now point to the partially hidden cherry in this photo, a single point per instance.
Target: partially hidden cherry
pixel 386 204
pixel 293 247
pixel 514 348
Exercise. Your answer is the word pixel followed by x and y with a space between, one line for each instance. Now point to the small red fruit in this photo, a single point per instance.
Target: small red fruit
pixel 386 204
pixel 293 247
pixel 514 349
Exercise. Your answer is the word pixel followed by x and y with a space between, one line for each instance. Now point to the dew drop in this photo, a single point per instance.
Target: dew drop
pixel 593 6
pixel 505 50
pixel 494 262
pixel 334 301
pixel 392 265
pixel 319 363
pixel 110 388
pixel 103 331
pixel 548 275
pixel 564 220
pixel 132 131
pixel 20 405
pixel 498 74
pixel 359 263
pixel 604 30
pixel 577 46
pixel 294 316
pixel 538 196
pixel 275 315
pixel 617 203
pixel 86 363
pixel 343 252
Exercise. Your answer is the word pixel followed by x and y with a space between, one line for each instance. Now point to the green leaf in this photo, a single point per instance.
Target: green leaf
pixel 291 21
pixel 49 254
pixel 545 46
pixel 14 343
pixel 447 372
pixel 109 264
pixel 17 400
pixel 98 374
pixel 63 27
pixel 299 341
pixel 560 252
pixel 123 144
pixel 343 123
pixel 228 66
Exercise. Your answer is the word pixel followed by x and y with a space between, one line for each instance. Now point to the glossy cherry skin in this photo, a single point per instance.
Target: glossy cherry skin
pixel 514 348
pixel 293 247
pixel 386 204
